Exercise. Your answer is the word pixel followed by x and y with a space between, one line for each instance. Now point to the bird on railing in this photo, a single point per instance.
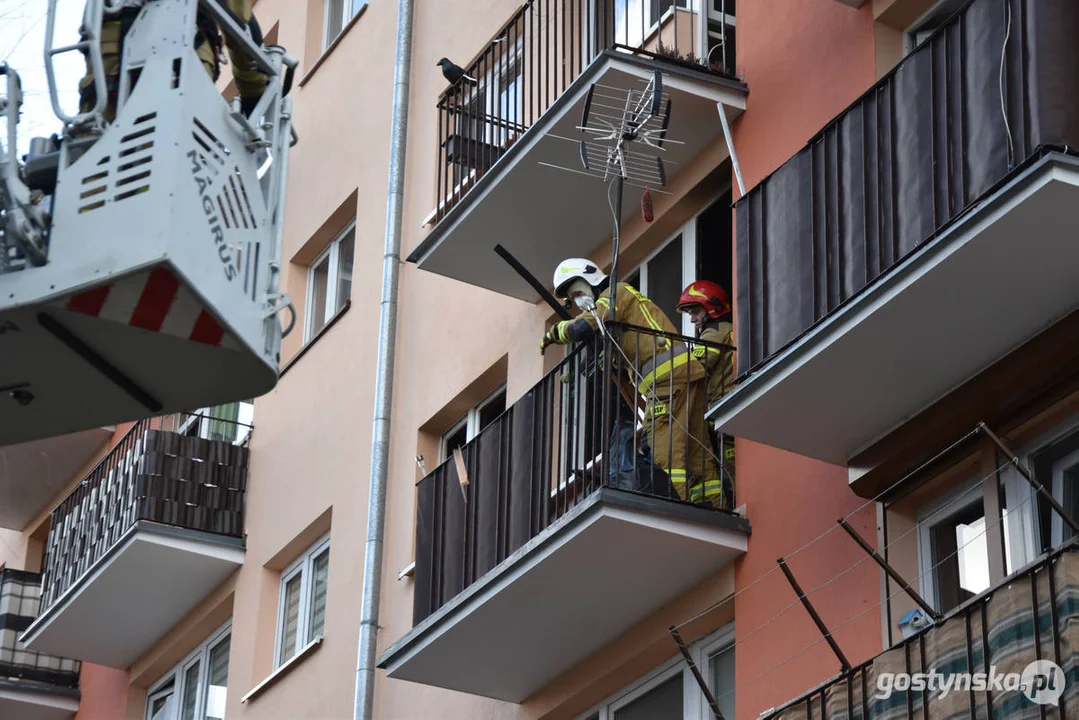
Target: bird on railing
pixel 455 74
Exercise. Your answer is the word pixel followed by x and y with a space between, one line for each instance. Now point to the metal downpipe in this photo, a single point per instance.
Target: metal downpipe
pixel 387 340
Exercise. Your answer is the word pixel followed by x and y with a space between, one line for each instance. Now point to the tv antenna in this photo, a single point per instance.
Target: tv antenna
pixel 625 131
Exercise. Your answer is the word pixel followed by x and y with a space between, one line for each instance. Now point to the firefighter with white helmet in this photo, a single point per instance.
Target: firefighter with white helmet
pixel 667 374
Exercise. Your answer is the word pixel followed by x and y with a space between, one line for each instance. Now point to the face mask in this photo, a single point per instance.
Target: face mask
pixel 585 303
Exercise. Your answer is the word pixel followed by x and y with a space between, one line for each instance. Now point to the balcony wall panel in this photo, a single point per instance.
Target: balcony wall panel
pixel 910 156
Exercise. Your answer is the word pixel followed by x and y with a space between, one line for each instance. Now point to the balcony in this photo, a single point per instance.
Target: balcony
pixel 148 534
pixel 500 143
pixel 999 628
pixel 913 243
pixel 33 473
pixel 33 685
pixel 545 551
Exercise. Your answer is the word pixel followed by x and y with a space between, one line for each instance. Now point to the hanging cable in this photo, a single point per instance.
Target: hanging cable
pixel 1003 98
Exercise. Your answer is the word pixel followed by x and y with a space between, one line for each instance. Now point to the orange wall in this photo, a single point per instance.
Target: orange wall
pixel 104 693
pixel 804 61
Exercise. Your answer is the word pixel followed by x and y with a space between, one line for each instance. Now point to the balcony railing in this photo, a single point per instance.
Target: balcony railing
pixel 1032 616
pixel 986 94
pixel 594 421
pixel 535 57
pixel 161 471
pixel 20 601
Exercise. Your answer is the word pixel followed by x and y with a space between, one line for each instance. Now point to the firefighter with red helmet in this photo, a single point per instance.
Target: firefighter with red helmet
pixel 709 307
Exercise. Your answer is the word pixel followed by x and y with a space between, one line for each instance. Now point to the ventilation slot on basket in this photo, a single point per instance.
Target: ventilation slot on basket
pixel 134 158
pixel 210 151
pixel 93 187
pixel 236 180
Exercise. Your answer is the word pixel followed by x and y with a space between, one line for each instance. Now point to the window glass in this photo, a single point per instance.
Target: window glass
pixel 320 574
pixel 218 681
pixel 1057 465
pixel 347 248
pixel 455 439
pixel 291 615
pixel 661 703
pixel 665 279
pixel 490 412
pixel 721 680
pixel 714 250
pixel 191 692
pixel 320 278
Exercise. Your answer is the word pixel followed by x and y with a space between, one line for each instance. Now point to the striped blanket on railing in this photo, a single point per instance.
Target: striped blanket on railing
pixel 1004 621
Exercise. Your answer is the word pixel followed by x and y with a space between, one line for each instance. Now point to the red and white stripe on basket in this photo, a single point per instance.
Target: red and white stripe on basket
pixel 155 300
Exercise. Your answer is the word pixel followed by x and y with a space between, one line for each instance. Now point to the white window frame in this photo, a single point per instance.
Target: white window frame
pixel 346 18
pixel 946 506
pixel 1056 523
pixel 1029 516
pixel 694 704
pixel 471 421
pixel 333 281
pixel 177 675
pixel 303 566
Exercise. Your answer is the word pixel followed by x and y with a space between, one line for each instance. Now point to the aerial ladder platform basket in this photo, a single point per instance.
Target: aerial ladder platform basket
pixel 147 279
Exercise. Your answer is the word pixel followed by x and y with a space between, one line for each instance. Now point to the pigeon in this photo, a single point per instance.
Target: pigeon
pixel 455 73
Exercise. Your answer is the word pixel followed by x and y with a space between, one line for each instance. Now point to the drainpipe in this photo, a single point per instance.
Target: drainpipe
pixel 387 342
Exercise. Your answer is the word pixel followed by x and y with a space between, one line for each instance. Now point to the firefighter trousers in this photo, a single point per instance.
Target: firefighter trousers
pixel 680 443
pixel 250 81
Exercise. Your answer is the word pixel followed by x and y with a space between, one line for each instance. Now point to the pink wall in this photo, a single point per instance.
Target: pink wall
pixel 104 693
pixel 804 61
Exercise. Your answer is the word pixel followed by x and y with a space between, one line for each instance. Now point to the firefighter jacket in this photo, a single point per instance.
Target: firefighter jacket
pixel 661 364
pixel 719 363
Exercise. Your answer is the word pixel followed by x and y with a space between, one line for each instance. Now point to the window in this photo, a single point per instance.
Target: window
pixel 302 609
pixel 1056 464
pixel 699 250
pixel 230 422
pixel 473 422
pixel 329 281
pixel 635 20
pixel 338 14
pixel 953 545
pixel 670 692
pixel 929 23
pixel 195 689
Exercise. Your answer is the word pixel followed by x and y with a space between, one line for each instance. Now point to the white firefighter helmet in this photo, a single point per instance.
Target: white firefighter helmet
pixel 573 269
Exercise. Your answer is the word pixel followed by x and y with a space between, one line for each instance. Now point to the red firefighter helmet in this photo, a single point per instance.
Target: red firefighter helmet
pixel 708 295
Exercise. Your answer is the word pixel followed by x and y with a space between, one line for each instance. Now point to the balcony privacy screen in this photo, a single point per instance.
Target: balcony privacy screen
pixel 150 475
pixel 902 162
pixel 20 602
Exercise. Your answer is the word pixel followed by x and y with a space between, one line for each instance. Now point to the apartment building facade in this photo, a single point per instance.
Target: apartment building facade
pixel 899 260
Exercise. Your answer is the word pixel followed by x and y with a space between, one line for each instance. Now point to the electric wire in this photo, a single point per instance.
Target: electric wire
pixel 830 530
pixel 958 499
pixel 877 605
